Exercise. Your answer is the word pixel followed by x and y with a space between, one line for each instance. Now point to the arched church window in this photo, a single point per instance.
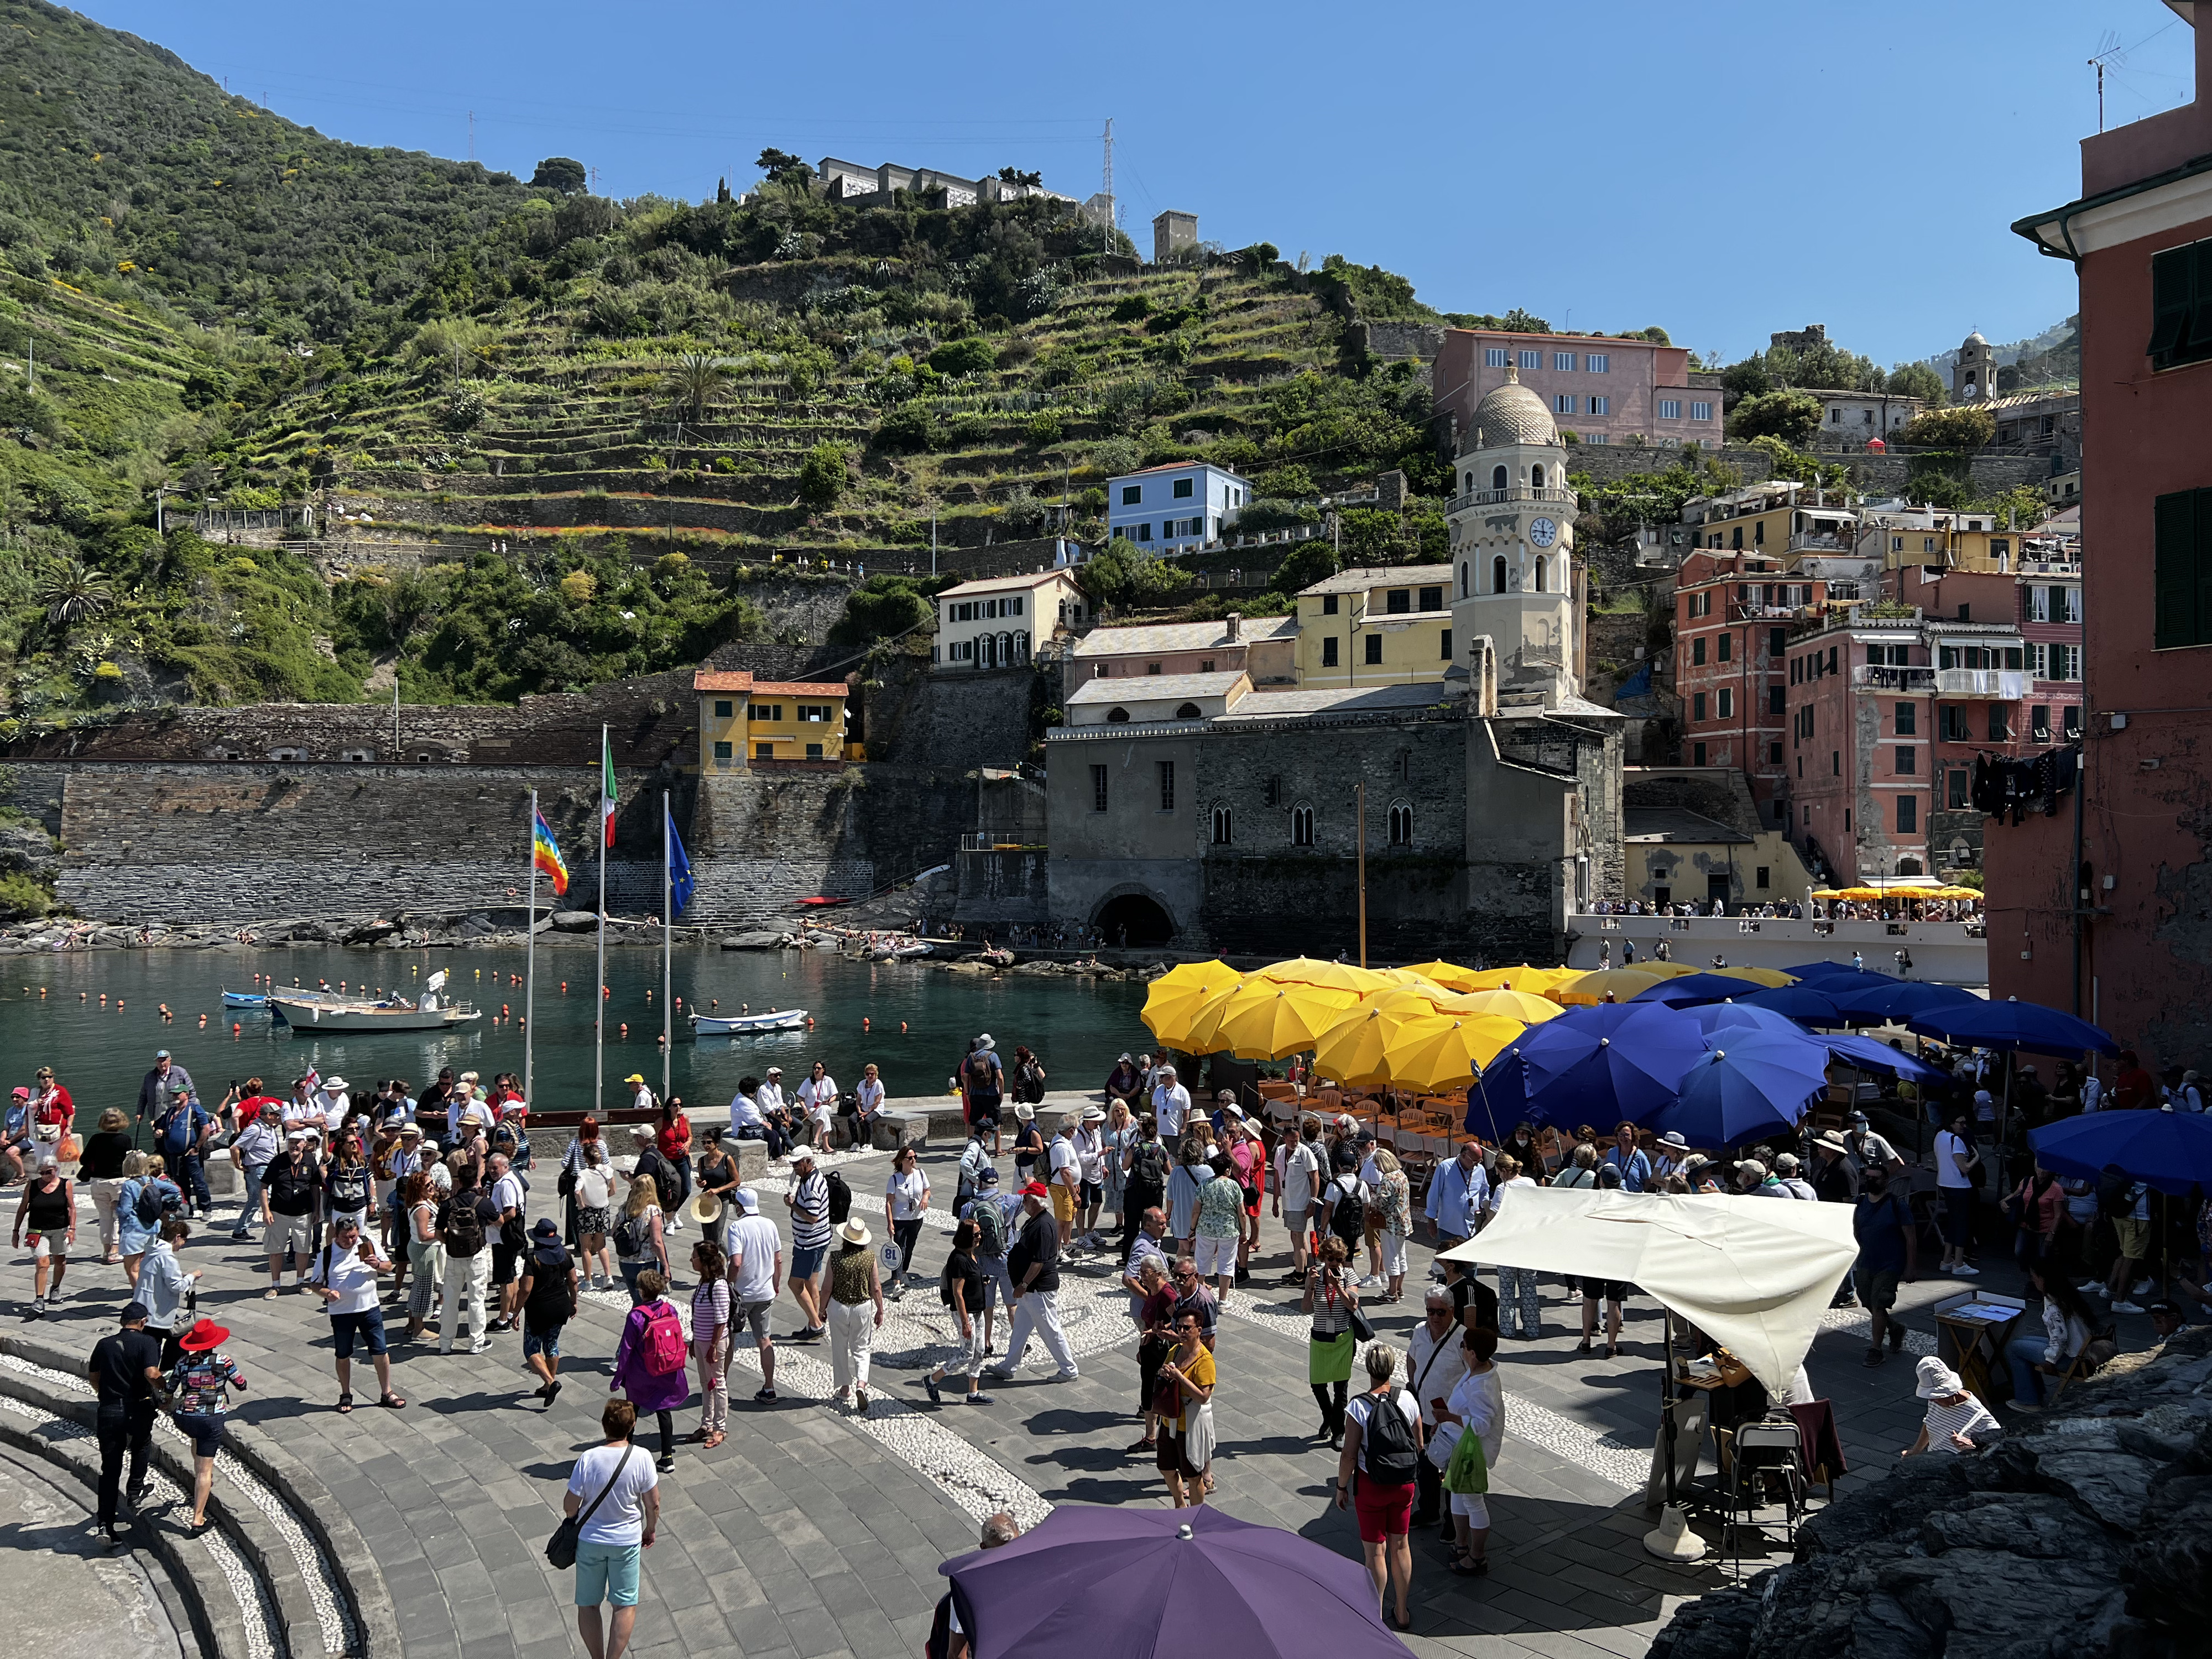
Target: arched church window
pixel 1498 575
pixel 1462 579
pixel 1536 478
pixel 1497 478
pixel 1539 575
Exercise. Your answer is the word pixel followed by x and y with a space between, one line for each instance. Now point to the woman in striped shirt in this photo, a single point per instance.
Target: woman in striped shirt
pixel 710 1341
pixel 1956 1421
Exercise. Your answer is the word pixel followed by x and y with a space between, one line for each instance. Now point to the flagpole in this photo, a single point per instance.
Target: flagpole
pixel 598 985
pixel 529 957
pixel 667 945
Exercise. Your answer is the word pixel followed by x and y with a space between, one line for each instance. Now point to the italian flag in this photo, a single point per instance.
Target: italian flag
pixel 607 789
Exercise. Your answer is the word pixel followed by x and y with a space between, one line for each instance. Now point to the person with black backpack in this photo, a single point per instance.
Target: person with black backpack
pixel 1382 1451
pixel 466 1222
pixel 289 1188
pixel 1145 1183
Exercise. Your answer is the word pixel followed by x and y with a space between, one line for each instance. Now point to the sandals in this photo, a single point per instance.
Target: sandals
pixel 1470 1566
pixel 345 1404
pixel 697 1437
pixel 714 1440
pixel 392 1402
pixel 1582 1346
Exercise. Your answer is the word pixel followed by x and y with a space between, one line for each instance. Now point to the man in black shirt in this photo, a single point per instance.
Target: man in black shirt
pixel 1467 1291
pixel 289 1188
pixel 1033 1265
pixel 125 1370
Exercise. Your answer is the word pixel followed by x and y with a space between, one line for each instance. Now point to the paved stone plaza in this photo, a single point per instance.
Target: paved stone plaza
pixel 813 1531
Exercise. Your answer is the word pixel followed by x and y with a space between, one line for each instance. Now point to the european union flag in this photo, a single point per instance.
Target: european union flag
pixel 679 867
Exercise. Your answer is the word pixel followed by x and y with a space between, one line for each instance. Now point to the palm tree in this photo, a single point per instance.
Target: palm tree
pixel 697 380
pixel 72 592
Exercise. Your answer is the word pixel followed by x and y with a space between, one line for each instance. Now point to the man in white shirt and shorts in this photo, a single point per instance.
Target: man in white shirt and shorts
pixel 755 1250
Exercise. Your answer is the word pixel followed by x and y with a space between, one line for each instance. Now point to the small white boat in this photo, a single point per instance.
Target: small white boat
pixel 782 1019
pixel 244 999
pixel 319 1011
pixel 908 952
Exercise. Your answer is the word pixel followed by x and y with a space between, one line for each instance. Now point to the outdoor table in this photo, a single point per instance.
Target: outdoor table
pixel 1976 1337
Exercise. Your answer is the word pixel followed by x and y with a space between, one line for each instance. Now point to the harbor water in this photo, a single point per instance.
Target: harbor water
pixel 920 1020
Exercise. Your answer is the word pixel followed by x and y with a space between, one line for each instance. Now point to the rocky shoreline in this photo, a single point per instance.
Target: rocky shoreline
pixel 2085 1533
pixel 494 929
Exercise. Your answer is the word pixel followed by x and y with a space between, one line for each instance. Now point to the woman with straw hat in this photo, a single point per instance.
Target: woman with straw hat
pixel 854 1283
pixel 198 1387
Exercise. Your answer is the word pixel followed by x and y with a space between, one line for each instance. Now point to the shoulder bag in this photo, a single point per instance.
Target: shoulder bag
pixel 561 1547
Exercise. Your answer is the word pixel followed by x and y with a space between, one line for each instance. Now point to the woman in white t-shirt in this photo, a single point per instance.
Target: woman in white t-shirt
pixel 906 1200
pixel 594 1195
pixel 1516 1287
pixel 616 1484
pixel 817 1097
pixel 1955 1162
pixel 1477 1406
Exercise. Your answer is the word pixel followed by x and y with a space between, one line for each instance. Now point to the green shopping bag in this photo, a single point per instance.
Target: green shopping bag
pixel 1468 1470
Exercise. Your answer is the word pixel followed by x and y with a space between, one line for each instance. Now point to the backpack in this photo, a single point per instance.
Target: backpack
pixel 662 1343
pixel 629 1235
pixel 463 1235
pixel 152 1203
pixel 990 1227
pixel 840 1198
pixel 1150 1168
pixel 1347 1215
pixel 2115 1201
pixel 1386 1443
pixel 177 1130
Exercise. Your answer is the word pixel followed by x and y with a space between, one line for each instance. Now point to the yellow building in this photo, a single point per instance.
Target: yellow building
pixel 743 720
pixel 1775 519
pixel 1936 536
pixel 1384 627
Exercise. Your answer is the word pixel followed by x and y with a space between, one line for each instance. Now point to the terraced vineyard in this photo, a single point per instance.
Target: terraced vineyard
pixel 542 427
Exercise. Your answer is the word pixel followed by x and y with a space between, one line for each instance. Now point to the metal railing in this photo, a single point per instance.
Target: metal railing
pixel 2008 684
pixel 1512 493
pixel 1876 676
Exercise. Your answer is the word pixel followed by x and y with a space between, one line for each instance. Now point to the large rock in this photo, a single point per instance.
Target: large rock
pixel 29 849
pixel 757 940
pixel 2086 1533
pixel 574 921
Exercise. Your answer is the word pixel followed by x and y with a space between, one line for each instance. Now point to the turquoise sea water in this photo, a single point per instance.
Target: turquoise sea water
pixel 100 1052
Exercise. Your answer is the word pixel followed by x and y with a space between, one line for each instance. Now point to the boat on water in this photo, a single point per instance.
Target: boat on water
pixel 244 999
pixel 781 1019
pixel 319 1011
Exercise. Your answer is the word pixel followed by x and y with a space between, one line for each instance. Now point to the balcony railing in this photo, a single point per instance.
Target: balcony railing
pixel 1513 493
pixel 1876 677
pixel 1807 541
pixel 2006 684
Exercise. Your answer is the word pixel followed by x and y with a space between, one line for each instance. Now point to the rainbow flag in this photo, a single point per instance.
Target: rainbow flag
pixel 545 852
pixel 607 788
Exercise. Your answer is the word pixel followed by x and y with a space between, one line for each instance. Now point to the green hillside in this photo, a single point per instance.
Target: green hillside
pixel 608 414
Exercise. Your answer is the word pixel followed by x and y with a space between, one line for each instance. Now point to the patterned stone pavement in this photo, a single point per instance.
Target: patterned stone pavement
pixel 815 1531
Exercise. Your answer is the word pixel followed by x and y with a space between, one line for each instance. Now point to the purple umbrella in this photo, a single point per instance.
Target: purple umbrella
pixel 1603 1064
pixel 1145 1583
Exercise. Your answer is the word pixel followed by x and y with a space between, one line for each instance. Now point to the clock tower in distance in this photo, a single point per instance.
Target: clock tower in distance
pixel 1512 544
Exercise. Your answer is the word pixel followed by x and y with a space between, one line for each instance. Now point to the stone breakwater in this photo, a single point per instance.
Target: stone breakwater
pixel 2088 1533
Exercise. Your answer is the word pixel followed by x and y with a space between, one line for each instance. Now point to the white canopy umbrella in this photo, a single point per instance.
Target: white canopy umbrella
pixel 1753 1274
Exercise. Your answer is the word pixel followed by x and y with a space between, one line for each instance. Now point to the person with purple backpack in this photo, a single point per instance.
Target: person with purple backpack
pixel 653 1361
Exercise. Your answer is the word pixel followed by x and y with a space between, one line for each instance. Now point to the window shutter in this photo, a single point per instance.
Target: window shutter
pixel 2203 634
pixel 2174 565
pixel 2200 320
pixel 2172 294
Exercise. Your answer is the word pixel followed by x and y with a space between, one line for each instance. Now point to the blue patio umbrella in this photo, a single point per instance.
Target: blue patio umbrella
pixel 1906 1000
pixel 1608 1062
pixel 2171 1151
pixel 1869 1055
pixel 1809 1003
pixel 1742 1017
pixel 2015 1025
pixel 1818 972
pixel 1498 1099
pixel 1686 990
pixel 1749 1084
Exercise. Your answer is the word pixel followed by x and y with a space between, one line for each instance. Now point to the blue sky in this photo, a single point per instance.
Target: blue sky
pixel 1723 169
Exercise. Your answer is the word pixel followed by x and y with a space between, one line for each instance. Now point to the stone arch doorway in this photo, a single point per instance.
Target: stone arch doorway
pixel 1143 916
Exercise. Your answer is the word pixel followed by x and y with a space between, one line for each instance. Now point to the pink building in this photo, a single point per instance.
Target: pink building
pixel 1602 390
pixel 1265 647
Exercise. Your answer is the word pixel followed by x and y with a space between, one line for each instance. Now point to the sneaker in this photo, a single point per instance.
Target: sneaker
pixel 1063 1376
pixel 2142 1287
pixel 2088 1284
pixel 1962 1271
pixel 764 1396
pixel 1001 1373
pixel 2126 1307
pixel 482 1345
pixel 935 1394
pixel 37 1309
pixel 980 1398
pixel 241 1236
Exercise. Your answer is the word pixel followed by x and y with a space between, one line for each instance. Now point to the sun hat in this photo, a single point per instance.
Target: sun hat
pixel 706 1206
pixel 748 1201
pixel 1936 1377
pixel 1025 1113
pixel 1094 1115
pixel 22 1093
pixel 407 1129
pixel 1832 1139
pixel 202 1336
pixel 547 1228
pixel 1036 1189
pixel 856 1232
pixel 984 1040
pixel 333 1083
pixel 1675 1139
pixel 775 1070
pixel 986 1177
pixel 291 1135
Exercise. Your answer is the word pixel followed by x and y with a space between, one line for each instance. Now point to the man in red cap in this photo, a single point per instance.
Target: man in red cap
pixel 1033 1265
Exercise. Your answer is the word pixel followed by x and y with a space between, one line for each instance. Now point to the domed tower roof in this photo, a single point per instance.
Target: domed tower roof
pixel 1975 338
pixel 1511 413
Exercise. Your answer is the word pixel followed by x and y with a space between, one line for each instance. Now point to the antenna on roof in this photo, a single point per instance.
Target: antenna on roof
pixel 2108 52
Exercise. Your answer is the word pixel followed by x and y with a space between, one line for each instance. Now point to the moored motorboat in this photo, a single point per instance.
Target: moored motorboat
pixel 245 999
pixel 321 1011
pixel 780 1019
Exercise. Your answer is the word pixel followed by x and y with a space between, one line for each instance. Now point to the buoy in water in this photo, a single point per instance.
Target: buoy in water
pixel 714 1003
pixel 625 1029
pixel 235 1028
pixel 865 1022
pixel 564 987
pixel 42 994
pixel 502 1010
pixel 901 1027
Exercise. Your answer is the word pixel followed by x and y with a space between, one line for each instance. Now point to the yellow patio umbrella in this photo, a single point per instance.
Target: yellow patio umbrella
pixel 1769 976
pixel 1260 1020
pixel 1827 893
pixel 1956 893
pixel 1449 974
pixel 1171 1004
pixel 1866 895
pixel 1356 1049
pixel 1428 1061
pixel 1523 978
pixel 1334 976
pixel 1513 1005
pixel 1665 969
pixel 1623 982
